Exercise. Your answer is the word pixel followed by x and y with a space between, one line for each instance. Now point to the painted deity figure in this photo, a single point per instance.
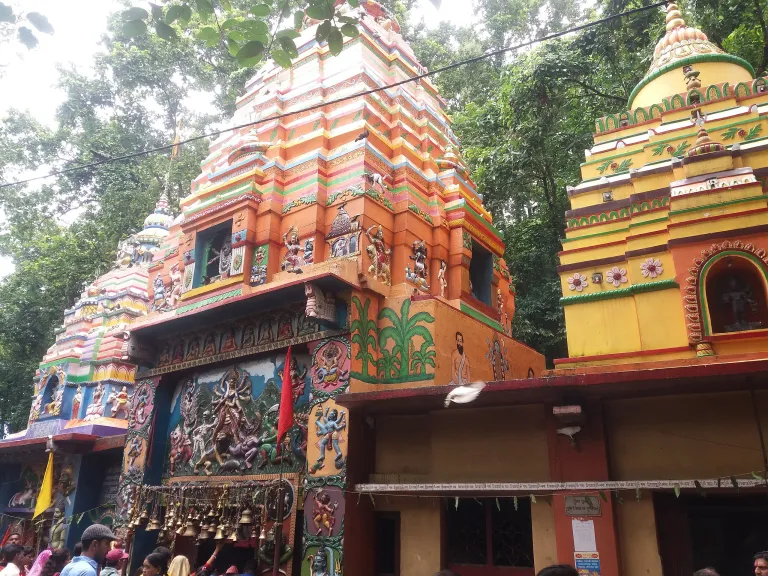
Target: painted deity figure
pixel 339 247
pixel 267 551
pixel 292 262
pixel 441 277
pixel 135 448
pixel 329 426
pixel 297 379
pixel 459 363
pixel 158 297
pixel 259 270
pixel 201 438
pixel 96 408
pixel 119 401
pixel 419 258
pixel 309 250
pixel 181 449
pixel 77 400
pixel 209 346
pixel 379 254
pixel 57 535
pixel 271 452
pixel 223 256
pixel 228 342
pixel 126 253
pixel 500 303
pixel 319 563
pixel 54 406
pixel 327 372
pixel 233 389
pixel 324 512
pixel 175 294
pixel 37 405
pixel 738 299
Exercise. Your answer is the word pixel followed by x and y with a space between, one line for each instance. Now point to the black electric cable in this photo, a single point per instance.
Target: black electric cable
pixel 338 100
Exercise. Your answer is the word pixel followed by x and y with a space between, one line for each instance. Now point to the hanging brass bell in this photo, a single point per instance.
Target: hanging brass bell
pixel 190 531
pixel 153 525
pixel 180 530
pixel 161 535
pixel 219 532
pixel 204 534
pixel 144 518
pixel 246 517
pixel 262 536
pixel 233 536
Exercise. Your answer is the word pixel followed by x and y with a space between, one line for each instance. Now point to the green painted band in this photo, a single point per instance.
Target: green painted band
pixel 211 300
pixel 687 61
pixel 481 317
pixel 620 292
pixel 370 379
pixel 762 197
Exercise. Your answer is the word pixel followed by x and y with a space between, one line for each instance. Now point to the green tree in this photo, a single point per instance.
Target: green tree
pixel 363 333
pixel 403 330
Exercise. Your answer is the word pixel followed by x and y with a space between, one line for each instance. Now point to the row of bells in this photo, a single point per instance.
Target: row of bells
pixel 207 525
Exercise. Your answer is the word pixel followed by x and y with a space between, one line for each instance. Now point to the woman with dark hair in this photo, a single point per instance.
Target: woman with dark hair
pixel 56 562
pixel 155 564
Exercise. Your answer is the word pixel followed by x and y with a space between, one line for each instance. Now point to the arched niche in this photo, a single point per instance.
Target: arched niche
pixel 49 388
pixel 734 286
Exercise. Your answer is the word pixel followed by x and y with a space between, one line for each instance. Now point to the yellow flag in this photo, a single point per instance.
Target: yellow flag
pixel 46 489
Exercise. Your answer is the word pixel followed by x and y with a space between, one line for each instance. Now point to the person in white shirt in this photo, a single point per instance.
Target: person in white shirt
pixel 14 555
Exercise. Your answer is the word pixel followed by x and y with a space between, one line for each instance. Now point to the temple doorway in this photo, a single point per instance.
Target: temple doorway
pixel 721 532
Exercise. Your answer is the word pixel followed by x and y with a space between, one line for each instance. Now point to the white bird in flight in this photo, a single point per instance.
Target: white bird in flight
pixel 464 394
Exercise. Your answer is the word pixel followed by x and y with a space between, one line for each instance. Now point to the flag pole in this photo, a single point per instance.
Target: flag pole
pixel 285 421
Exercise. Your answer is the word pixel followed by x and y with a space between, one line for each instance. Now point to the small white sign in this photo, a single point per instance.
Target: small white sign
pixel 583 535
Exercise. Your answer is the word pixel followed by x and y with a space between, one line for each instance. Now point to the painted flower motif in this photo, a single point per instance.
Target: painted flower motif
pixel 577 282
pixel 670 149
pixel 651 268
pixel 614 165
pixel 616 276
pixel 742 133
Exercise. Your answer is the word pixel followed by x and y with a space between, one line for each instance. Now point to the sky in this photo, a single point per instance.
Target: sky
pixel 29 77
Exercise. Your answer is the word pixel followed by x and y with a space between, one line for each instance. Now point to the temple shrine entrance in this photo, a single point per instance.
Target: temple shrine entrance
pixel 489 536
pixel 721 532
pixel 736 298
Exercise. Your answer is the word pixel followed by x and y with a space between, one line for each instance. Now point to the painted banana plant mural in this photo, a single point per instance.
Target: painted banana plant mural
pixel 401 363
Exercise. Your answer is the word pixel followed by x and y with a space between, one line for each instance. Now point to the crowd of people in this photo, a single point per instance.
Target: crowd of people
pixel 96 555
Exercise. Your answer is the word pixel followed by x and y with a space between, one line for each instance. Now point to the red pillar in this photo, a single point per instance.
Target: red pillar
pixel 585 461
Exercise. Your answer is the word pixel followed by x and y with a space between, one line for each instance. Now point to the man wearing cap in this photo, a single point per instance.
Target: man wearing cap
pixel 114 561
pixel 96 541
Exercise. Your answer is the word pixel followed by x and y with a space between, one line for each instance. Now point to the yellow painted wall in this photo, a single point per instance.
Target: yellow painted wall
pixel 604 327
pixel 506 444
pixel 637 537
pixel 543 527
pixel 661 319
pixel 673 82
pixel 420 533
pixel 684 437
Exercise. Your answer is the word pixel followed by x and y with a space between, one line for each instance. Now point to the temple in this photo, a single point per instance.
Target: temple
pixel 352 235
pixel 344 252
pixel 81 401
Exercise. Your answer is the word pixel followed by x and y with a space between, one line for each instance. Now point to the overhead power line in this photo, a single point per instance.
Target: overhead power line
pixel 445 68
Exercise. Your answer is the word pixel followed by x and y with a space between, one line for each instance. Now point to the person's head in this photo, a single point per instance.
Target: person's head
pixel 558 570
pixel 96 541
pixel 29 555
pixel 116 558
pixel 78 549
pixel 706 572
pixel 56 562
pixel 179 566
pixel 164 552
pixel 155 565
pixel 14 553
pixel 14 538
pixel 460 342
pixel 761 563
pixel 250 566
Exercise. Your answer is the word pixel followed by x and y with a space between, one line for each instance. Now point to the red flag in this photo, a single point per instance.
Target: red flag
pixel 285 421
pixel 6 536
